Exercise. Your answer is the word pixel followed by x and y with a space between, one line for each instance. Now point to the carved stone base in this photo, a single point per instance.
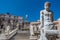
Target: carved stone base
pixel 50 37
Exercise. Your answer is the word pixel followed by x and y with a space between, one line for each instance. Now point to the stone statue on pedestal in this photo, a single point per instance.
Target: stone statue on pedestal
pixel 46 18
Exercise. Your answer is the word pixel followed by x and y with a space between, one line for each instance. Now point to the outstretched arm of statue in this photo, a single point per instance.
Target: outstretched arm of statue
pixel 55 22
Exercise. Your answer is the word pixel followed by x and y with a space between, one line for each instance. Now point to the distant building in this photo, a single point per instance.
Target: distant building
pixel 12 21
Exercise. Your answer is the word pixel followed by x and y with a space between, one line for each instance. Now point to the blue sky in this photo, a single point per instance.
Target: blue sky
pixel 30 7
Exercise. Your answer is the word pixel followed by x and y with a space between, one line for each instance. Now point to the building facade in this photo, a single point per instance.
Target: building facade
pixel 10 20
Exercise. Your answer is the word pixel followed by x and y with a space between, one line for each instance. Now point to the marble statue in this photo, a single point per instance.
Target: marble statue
pixel 46 18
pixel 31 30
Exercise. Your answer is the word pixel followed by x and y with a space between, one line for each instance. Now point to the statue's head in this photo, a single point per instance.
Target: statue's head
pixel 47 5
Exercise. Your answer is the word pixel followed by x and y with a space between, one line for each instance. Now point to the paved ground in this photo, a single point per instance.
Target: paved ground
pixel 21 36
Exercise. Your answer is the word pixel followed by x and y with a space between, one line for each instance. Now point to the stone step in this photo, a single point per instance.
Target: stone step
pixel 33 37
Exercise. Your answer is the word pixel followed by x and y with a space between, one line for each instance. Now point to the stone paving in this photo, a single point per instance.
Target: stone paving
pixel 21 36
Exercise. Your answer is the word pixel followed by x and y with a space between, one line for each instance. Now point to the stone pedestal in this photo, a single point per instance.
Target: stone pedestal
pixel 51 37
pixel 31 30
